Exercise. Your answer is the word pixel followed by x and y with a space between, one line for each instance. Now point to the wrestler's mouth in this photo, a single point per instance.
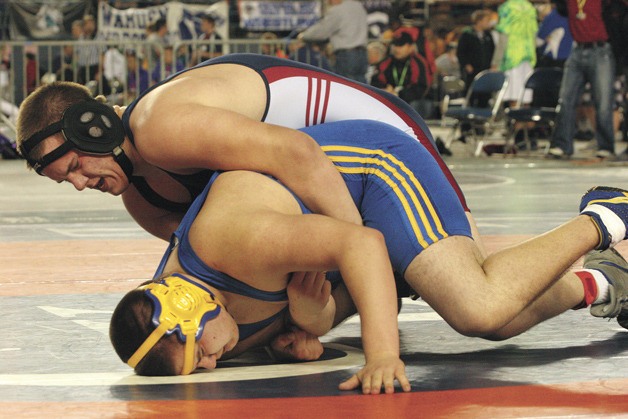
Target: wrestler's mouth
pixel 101 185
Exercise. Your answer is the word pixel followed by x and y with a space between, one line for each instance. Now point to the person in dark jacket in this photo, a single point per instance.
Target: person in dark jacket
pixel 476 46
pixel 405 73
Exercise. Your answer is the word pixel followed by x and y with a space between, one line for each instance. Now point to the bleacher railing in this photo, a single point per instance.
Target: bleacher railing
pixel 27 65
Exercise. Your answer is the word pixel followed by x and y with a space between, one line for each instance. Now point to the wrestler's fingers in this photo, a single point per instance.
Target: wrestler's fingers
pixel 404 382
pixel 321 281
pixel 350 384
pixel 388 382
pixel 310 278
pixel 297 278
pixel 326 288
pixel 373 383
pixel 283 341
pixel 366 385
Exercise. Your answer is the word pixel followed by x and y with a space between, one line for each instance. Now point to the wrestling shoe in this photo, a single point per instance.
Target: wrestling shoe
pixel 608 208
pixel 615 269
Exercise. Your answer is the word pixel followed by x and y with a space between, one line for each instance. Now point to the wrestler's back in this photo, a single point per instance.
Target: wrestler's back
pixel 230 87
pixel 285 93
pixel 281 92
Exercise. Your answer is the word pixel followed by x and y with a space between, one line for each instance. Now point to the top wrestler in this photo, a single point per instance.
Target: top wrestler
pixel 246 233
pixel 239 111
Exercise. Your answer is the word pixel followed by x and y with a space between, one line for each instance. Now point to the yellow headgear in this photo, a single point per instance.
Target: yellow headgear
pixel 182 307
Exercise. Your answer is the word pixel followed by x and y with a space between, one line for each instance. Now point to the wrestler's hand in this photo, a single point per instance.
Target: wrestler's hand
pixel 297 345
pixel 308 293
pixel 379 371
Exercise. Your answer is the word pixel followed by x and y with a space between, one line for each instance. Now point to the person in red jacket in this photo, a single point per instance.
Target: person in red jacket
pixel 405 73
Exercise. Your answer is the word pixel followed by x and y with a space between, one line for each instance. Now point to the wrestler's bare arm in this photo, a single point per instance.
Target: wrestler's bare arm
pixel 183 133
pixel 312 308
pixel 159 222
pixel 297 344
pixel 257 233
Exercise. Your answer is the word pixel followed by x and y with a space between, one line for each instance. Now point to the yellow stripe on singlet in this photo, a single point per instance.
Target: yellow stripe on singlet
pixel 384 162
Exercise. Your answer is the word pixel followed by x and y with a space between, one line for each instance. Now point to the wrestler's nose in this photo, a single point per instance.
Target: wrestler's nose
pixel 79 181
pixel 208 362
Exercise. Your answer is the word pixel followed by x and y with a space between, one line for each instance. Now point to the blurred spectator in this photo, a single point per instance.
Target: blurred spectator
pixel 553 39
pixel 516 51
pixel 376 51
pixel 475 46
pixel 89 57
pixel 158 37
pixel 591 61
pixel 77 29
pixel 309 53
pixel 345 25
pixel 64 65
pixel 422 37
pixel 438 42
pixel 447 63
pixel 424 43
pixel 276 49
pixel 209 48
pixel 492 25
pixel 137 77
pixel 404 73
pixel 33 73
pixel 114 66
pixel 171 65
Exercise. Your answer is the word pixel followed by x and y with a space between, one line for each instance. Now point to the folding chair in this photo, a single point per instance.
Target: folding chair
pixel 481 108
pixel 451 95
pixel 544 82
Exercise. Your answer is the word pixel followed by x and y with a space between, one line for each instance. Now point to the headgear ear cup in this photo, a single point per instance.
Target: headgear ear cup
pixel 90 127
pixel 93 127
pixel 181 307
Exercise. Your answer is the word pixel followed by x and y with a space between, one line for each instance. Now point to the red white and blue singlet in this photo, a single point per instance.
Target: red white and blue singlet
pixel 300 95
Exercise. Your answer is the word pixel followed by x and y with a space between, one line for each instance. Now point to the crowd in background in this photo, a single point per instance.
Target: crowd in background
pixel 409 59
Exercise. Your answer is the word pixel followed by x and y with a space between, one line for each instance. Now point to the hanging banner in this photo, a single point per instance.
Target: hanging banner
pixel 182 20
pixel 38 20
pixel 378 12
pixel 278 15
pixel 270 15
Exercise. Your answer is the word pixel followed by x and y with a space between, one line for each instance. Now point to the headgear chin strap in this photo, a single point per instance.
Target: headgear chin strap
pixel 89 126
pixel 182 307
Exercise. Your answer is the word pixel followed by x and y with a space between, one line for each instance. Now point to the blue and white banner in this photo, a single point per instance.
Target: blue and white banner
pixel 278 15
pixel 183 20
pixel 378 16
pixel 273 15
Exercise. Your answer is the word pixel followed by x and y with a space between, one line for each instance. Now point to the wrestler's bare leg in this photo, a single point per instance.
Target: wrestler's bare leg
pixel 478 296
pixel 564 295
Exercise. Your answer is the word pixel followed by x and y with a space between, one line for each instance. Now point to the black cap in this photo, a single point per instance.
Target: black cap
pixel 402 38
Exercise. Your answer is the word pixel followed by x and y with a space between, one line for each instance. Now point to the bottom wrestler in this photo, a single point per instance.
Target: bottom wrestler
pixel 226 282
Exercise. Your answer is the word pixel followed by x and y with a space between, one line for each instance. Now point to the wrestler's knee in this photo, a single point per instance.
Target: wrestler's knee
pixel 475 321
pixel 449 277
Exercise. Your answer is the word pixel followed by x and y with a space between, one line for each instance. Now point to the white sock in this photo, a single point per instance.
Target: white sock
pixel 613 223
pixel 602 286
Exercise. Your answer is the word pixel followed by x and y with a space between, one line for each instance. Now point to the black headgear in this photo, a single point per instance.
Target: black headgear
pixel 89 126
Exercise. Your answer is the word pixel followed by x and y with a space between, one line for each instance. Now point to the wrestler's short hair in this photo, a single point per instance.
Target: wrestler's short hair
pixel 45 106
pixel 130 326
